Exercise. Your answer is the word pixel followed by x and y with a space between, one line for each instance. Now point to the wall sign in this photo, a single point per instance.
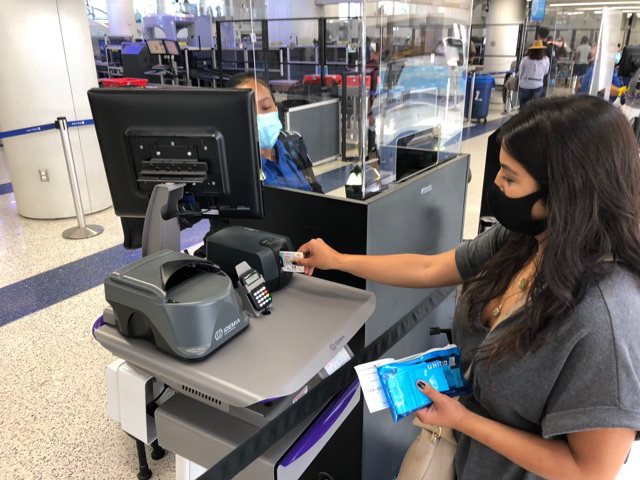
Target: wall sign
pixel 537 10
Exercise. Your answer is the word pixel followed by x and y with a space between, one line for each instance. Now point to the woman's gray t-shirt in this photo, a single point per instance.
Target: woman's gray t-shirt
pixel 585 376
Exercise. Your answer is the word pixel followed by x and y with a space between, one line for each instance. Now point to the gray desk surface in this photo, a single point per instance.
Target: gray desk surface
pixel 311 320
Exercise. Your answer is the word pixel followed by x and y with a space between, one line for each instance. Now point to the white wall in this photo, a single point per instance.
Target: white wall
pixel 47 69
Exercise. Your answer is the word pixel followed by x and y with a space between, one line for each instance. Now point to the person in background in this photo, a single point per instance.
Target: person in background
pixel 282 166
pixel 552 53
pixel 617 87
pixel 564 49
pixel 187 8
pixel 531 73
pixel 473 51
pixel 546 320
pixel 509 86
pixel 582 57
pixel 284 158
pixel 542 35
pixel 373 71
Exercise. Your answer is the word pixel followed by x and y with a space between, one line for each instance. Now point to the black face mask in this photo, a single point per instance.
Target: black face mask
pixel 515 213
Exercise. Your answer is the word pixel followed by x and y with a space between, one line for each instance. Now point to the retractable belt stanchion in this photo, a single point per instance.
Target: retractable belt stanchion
pixel 471 92
pixel 82 230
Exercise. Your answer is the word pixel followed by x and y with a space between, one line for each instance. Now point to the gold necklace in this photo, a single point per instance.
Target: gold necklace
pixel 521 284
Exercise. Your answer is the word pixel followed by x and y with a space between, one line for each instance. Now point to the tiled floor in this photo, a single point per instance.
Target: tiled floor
pixel 53 421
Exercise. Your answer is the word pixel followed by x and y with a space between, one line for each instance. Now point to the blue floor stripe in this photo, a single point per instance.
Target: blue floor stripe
pixel 6 188
pixel 48 288
pixel 482 128
pixel 45 289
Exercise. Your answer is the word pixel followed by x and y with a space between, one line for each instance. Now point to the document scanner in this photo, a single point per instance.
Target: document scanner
pixel 232 245
pixel 185 305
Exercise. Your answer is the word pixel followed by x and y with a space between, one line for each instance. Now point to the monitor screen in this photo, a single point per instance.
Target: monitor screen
pixel 204 138
pixel 156 47
pixel 171 47
pixel 629 61
pixel 303 54
pixel 537 10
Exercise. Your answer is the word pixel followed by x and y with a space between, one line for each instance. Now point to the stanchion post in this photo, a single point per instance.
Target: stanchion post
pixel 471 93
pixel 82 230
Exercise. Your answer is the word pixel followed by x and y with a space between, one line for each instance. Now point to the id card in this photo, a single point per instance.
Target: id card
pixel 287 261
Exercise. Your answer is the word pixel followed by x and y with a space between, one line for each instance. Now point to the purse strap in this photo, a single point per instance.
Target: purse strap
pixel 445 433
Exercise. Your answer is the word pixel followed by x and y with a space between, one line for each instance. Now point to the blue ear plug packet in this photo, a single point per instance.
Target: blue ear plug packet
pixel 438 367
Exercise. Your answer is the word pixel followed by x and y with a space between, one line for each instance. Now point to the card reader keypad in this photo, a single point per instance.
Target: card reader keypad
pixel 261 297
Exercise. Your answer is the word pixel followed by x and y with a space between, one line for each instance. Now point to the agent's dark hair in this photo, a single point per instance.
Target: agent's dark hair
pixel 249 77
pixel 584 40
pixel 537 53
pixel 543 32
pixel 584 156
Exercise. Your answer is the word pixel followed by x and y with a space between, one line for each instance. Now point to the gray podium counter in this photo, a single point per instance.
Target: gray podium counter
pixel 225 398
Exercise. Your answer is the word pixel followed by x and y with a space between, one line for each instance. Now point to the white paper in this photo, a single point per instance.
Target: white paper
pixel 370 384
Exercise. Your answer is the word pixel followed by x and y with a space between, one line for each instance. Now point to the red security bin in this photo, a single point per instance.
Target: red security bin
pixel 311 80
pixel 354 81
pixel 329 80
pixel 123 82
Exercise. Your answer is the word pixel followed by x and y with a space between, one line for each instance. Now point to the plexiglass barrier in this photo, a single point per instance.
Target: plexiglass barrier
pixel 362 90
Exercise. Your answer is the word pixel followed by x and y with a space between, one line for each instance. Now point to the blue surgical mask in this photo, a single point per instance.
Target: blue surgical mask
pixel 269 128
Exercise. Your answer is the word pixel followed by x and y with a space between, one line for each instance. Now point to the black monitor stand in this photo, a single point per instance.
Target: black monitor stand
pixel 161 228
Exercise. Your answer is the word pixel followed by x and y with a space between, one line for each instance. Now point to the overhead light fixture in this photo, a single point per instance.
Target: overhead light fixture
pixel 591 4
pixel 598 9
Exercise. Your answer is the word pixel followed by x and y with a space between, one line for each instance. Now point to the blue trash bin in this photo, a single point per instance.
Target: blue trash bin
pixel 481 96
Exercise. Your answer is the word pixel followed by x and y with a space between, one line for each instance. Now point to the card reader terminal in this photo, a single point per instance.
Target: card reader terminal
pixel 252 287
pixel 259 295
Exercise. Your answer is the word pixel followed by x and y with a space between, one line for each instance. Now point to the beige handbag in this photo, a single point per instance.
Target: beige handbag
pixel 512 82
pixel 431 455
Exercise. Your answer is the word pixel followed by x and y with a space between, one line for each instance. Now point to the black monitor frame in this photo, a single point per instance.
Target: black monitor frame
pixel 151 44
pixel 629 61
pixel 171 44
pixel 203 138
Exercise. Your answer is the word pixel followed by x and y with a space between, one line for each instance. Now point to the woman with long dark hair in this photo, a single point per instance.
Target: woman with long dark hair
pixel 547 322
pixel 531 73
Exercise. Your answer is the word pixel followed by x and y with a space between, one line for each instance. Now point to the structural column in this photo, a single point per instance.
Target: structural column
pixel 49 67
pixel 503 22
pixel 122 20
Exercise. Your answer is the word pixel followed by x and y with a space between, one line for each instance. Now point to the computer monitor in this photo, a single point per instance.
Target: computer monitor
pixel 156 47
pixel 171 47
pixel 204 138
pixel 629 61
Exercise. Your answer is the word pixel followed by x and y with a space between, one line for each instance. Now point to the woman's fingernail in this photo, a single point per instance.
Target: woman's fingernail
pixel 421 384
